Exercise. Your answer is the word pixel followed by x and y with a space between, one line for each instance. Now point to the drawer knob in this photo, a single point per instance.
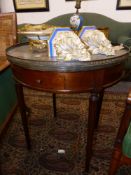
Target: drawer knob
pixel 39 81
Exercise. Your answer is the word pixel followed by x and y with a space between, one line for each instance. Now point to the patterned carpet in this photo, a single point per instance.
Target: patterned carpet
pixel 67 132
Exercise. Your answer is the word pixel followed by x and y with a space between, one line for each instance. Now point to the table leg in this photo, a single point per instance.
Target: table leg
pixel 99 104
pixel 54 105
pixel 0 168
pixel 23 112
pixel 93 108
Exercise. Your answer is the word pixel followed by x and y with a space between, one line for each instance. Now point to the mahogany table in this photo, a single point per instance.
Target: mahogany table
pixel 38 71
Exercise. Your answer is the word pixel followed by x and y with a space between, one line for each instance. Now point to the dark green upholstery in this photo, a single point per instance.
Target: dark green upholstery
pixel 116 29
pixel 7 93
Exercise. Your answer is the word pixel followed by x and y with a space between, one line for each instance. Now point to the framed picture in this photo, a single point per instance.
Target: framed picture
pixel 123 4
pixel 31 5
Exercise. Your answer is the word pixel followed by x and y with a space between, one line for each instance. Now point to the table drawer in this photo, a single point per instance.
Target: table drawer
pixel 47 81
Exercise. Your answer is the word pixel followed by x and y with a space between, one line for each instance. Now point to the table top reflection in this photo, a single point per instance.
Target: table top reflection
pixel 22 55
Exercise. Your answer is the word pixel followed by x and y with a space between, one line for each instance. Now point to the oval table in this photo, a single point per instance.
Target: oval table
pixel 38 71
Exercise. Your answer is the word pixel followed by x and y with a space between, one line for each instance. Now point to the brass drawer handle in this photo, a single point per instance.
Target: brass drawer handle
pixel 39 81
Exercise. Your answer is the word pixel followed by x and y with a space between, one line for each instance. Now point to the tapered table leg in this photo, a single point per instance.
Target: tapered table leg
pixel 93 104
pixel 99 104
pixel 0 168
pixel 54 105
pixel 23 112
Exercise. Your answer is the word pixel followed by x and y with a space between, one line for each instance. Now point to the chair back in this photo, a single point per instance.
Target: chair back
pixel 122 148
pixel 8 31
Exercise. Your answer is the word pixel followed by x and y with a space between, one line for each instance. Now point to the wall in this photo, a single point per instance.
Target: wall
pixel 58 7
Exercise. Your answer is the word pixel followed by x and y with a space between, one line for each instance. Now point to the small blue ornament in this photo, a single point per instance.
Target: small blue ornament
pixel 76 22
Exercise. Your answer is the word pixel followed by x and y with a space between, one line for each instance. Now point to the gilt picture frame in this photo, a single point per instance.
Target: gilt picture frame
pixel 31 5
pixel 123 5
